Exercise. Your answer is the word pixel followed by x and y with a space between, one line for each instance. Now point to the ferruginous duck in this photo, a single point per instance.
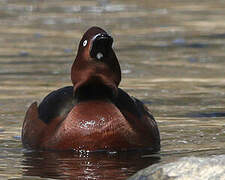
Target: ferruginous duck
pixel 94 113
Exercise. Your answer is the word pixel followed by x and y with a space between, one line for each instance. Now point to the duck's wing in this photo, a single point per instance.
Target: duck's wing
pixel 32 127
pixel 39 119
pixel 56 104
pixel 148 119
pixel 139 117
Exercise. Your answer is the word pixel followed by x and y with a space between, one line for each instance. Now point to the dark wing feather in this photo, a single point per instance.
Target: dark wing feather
pixel 57 103
pixel 139 116
pixel 148 119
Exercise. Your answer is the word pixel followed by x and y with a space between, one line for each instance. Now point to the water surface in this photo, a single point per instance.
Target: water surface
pixel 172 55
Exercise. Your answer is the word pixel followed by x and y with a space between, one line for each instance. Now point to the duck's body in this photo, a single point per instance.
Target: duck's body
pixel 93 114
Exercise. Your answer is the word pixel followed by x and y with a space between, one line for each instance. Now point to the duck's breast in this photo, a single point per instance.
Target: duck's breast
pixel 92 125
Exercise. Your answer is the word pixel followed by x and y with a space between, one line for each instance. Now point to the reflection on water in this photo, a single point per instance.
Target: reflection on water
pixel 172 57
pixel 84 165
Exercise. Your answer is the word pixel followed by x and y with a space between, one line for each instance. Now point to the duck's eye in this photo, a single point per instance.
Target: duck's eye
pixel 85 43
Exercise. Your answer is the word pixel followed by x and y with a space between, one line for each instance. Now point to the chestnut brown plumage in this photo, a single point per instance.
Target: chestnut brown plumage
pixel 94 113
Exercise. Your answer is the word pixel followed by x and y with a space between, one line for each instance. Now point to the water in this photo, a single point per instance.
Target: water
pixel 172 55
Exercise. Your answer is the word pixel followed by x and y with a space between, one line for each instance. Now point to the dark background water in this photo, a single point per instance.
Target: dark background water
pixel 172 55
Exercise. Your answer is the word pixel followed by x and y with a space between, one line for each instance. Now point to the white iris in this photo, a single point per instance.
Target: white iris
pixel 85 43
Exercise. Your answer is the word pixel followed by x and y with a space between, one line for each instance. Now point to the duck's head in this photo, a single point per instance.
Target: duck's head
pixel 95 72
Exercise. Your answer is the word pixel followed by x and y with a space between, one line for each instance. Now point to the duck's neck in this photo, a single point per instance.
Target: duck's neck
pixel 94 92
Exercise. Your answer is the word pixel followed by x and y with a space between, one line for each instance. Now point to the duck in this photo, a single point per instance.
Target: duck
pixel 93 114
